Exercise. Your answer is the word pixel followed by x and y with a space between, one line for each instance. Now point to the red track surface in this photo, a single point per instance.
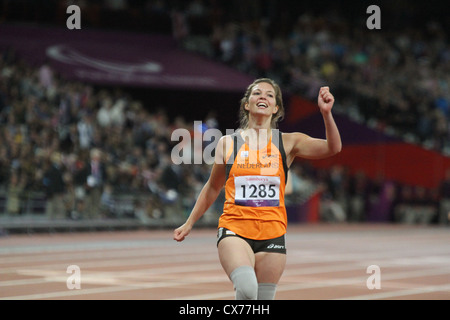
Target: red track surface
pixel 324 262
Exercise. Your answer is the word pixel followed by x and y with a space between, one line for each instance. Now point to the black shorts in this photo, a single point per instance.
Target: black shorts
pixel 277 245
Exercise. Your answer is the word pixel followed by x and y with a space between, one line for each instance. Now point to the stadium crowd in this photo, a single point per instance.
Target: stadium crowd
pixel 398 79
pixel 78 145
pixel 82 146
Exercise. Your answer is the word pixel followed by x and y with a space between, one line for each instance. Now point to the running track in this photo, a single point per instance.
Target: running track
pixel 324 262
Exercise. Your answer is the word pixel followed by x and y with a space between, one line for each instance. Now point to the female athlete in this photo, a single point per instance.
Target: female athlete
pixel 252 164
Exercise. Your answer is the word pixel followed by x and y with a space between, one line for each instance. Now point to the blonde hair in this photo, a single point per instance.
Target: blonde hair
pixel 244 114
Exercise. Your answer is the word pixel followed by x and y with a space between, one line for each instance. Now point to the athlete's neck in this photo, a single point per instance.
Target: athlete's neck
pixel 259 123
pixel 256 138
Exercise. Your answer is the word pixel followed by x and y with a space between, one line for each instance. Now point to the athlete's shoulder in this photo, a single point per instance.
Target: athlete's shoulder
pixel 223 146
pixel 225 140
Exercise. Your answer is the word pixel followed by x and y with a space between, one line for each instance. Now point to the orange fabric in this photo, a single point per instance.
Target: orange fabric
pixel 263 218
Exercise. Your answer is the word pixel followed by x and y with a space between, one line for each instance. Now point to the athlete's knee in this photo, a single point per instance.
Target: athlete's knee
pixel 245 283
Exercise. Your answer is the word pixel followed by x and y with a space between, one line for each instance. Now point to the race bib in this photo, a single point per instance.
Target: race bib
pixel 257 191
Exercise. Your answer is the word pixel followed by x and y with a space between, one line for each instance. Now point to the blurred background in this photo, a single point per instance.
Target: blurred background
pixel 86 115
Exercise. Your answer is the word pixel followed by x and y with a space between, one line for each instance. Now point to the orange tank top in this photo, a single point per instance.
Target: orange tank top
pixel 254 189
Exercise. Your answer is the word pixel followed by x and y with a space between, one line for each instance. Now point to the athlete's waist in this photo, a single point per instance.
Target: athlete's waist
pixel 256 213
pixel 255 229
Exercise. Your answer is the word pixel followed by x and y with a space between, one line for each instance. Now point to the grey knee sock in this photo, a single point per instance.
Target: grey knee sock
pixel 245 283
pixel 266 291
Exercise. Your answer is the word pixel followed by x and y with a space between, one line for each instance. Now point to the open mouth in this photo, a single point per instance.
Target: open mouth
pixel 262 105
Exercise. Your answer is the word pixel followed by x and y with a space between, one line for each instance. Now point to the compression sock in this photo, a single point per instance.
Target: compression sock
pixel 266 291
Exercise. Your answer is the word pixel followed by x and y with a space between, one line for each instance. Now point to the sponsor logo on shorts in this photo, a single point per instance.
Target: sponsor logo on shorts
pixel 275 246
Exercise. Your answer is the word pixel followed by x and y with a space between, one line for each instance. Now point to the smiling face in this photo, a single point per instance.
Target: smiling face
pixel 262 98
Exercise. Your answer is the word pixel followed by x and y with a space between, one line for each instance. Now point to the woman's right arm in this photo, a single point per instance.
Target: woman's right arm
pixel 208 195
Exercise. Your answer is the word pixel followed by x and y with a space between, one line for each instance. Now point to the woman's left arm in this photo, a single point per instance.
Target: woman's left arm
pixel 302 145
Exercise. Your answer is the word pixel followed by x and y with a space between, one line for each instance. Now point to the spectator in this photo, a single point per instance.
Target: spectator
pixel 15 189
pixel 55 188
pixel 107 202
pixel 86 131
pixel 358 193
pixel 96 177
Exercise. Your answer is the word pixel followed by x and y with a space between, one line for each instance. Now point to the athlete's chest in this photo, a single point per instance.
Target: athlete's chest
pixel 266 161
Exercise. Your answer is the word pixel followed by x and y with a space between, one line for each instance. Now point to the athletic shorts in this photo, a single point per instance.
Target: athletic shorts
pixel 277 245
